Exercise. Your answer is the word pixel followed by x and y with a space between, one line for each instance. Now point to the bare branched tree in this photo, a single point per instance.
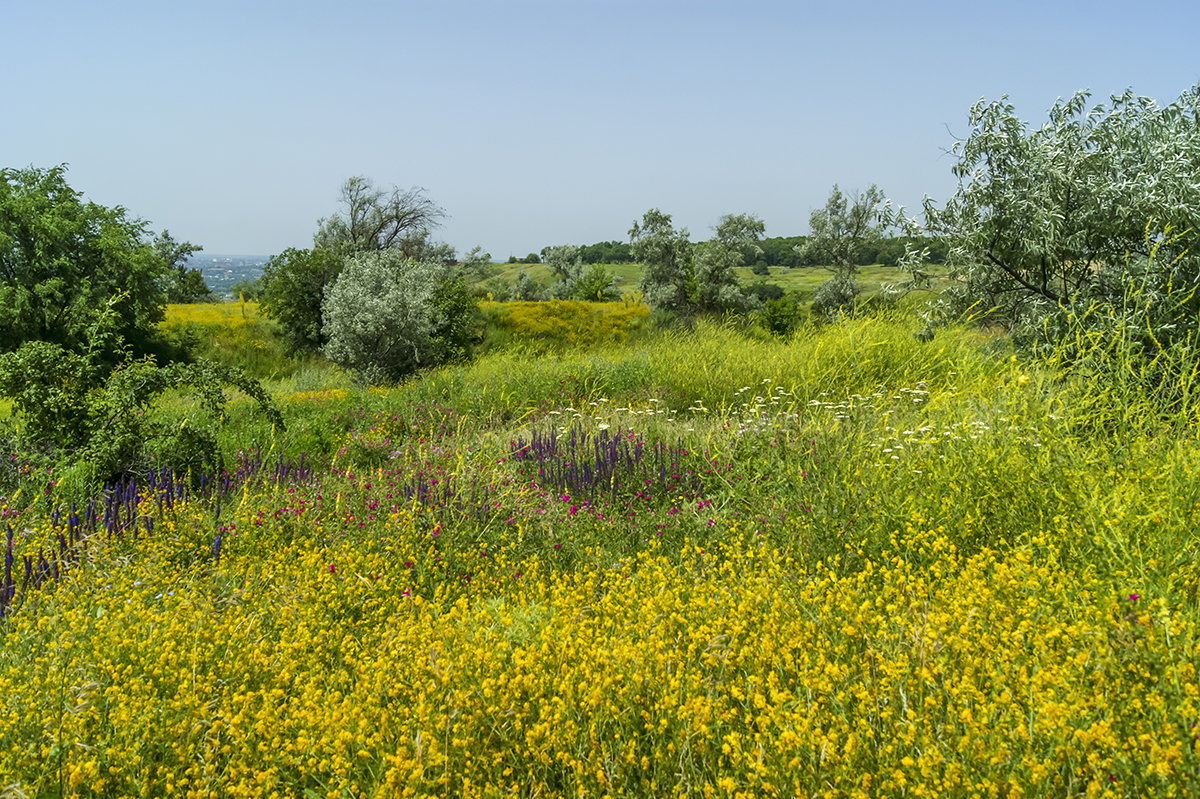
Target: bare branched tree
pixel 374 219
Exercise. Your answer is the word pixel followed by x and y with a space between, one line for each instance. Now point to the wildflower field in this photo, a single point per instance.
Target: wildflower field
pixel 702 564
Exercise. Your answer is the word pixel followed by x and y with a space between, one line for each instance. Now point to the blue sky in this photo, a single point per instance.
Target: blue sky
pixel 234 124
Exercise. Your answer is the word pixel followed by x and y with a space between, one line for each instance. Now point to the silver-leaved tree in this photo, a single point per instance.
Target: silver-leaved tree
pixel 1065 216
pixel 387 316
pixel 841 233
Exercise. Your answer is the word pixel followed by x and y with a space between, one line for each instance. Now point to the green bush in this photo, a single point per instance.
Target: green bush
pixel 387 316
pixel 96 420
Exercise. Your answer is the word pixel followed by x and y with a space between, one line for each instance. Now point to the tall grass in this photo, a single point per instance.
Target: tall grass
pixel 705 565
pixel 235 334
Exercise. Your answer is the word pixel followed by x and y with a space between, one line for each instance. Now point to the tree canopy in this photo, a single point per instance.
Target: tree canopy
pixel 735 242
pixel 1057 215
pixel 371 220
pixel 842 232
pixel 81 292
pixel 64 261
pixel 666 253
pixel 184 285
pixel 293 291
pixel 387 316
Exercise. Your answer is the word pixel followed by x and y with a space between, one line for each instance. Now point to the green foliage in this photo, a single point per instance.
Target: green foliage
pixel 566 266
pixel 294 287
pixel 372 220
pixel 888 251
pixel 783 314
pixel 476 264
pixel 1056 216
pixel 387 316
pixel 844 228
pixel 457 322
pixel 525 290
pixel 836 295
pixel 597 284
pixel 842 232
pixel 1141 347
pixel 248 290
pixel 96 420
pixel 718 288
pixel 607 252
pixel 184 285
pixel 783 251
pixel 574 282
pixel 420 246
pixel 763 291
pixel 64 261
pixel 667 278
pixel 49 386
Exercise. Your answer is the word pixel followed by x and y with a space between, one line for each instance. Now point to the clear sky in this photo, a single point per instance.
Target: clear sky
pixel 537 122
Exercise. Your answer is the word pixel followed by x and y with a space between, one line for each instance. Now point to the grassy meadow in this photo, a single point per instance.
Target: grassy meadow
pixel 695 563
pixel 801 279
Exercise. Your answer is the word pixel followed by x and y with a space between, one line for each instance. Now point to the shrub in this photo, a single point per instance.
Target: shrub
pixel 387 316
pixel 835 295
pixel 294 286
pixel 96 421
pixel 781 315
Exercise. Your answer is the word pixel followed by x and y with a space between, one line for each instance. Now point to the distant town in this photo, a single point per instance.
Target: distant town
pixel 223 272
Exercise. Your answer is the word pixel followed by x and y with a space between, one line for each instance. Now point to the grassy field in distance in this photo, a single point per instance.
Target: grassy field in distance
pixel 804 279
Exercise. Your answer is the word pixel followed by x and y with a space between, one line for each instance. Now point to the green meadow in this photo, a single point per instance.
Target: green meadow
pixel 703 562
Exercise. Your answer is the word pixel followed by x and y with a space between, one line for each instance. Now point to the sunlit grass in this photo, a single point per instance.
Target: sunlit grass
pixel 851 564
pixel 236 334
pixel 804 279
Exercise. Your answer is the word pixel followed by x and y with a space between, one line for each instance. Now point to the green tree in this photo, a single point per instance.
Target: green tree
pixel 718 288
pixel 371 220
pixel 457 322
pixel 63 261
pixel 92 416
pixel 1055 217
pixel 566 265
pixel 247 289
pixel 666 254
pixel 607 252
pixel 477 264
pixel 525 290
pixel 80 294
pixel 386 316
pixel 184 285
pixel 782 250
pixel 294 286
pixel 596 284
pixel 781 315
pixel 842 232
pixel 421 247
